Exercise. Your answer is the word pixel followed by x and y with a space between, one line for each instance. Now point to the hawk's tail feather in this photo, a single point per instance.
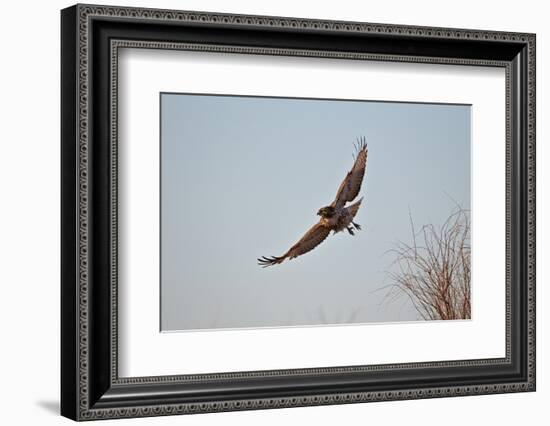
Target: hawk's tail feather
pixel 354 208
pixel 270 261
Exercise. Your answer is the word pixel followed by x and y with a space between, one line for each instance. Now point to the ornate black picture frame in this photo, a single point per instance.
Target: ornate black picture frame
pixel 91 387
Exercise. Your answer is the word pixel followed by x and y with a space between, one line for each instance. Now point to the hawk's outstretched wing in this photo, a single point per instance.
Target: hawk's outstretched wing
pixel 351 185
pixel 312 238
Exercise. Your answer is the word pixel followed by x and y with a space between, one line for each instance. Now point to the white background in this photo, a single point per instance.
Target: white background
pixel 29 225
pixel 146 352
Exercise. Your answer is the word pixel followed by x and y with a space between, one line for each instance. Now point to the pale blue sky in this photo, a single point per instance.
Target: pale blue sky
pixel 243 177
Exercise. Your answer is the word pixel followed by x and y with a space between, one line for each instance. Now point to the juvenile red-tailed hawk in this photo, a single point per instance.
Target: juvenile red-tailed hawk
pixel 336 217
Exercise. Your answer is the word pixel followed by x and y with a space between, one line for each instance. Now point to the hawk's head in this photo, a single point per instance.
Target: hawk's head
pixel 327 212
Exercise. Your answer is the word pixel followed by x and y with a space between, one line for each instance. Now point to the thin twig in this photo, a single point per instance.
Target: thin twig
pixel 434 272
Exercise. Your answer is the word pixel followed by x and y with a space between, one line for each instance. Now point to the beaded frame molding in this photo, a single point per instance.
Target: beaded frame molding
pixel 91 38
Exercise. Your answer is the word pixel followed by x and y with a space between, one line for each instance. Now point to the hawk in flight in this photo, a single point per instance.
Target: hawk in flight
pixel 336 217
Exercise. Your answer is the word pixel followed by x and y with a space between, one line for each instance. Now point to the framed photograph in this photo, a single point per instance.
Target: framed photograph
pixel 263 212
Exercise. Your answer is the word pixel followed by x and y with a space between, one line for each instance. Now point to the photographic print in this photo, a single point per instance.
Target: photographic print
pixel 346 208
pixel 281 212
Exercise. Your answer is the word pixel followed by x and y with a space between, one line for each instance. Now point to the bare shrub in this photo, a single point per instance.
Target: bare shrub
pixel 434 269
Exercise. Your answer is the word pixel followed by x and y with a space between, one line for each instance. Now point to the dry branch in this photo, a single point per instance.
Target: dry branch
pixel 434 269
